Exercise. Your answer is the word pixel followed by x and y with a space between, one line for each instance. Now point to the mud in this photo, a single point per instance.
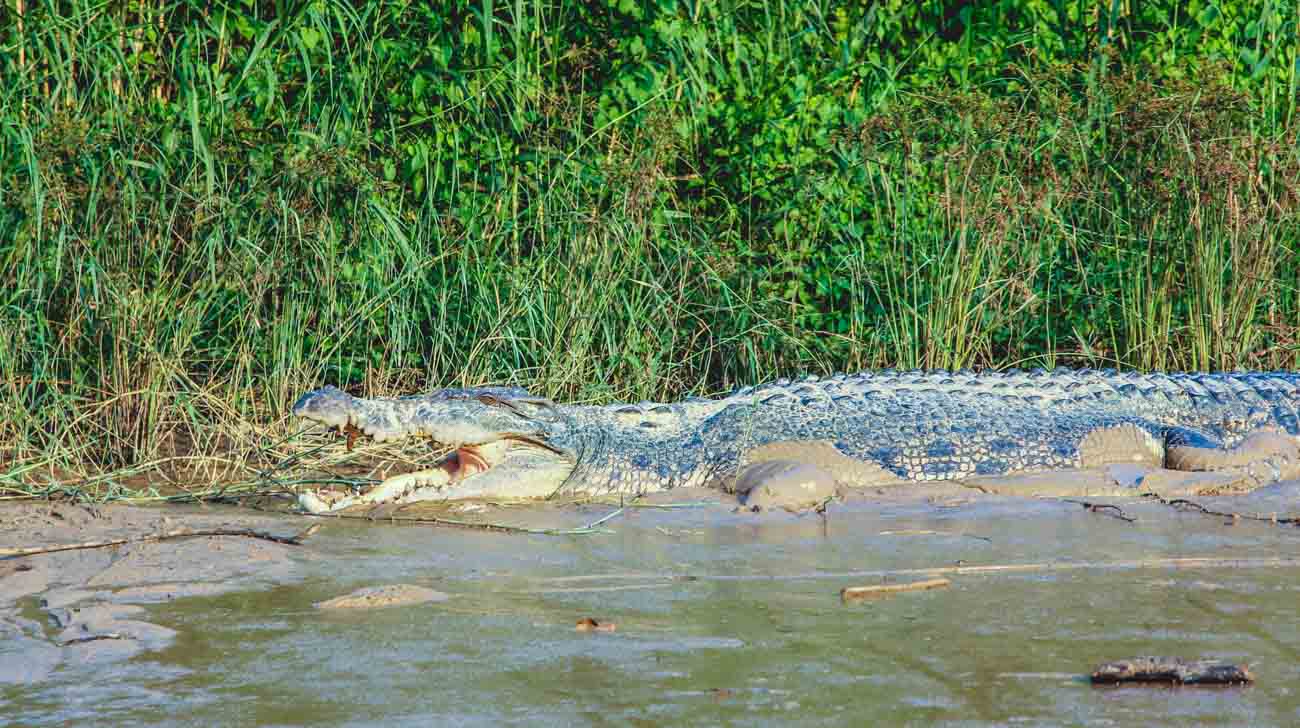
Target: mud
pixel 723 616
pixel 377 597
pixel 82 606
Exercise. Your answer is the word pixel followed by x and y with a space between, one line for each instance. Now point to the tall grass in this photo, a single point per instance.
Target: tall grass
pixel 205 212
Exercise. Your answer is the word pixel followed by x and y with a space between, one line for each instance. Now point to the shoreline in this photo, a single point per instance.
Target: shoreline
pixel 87 605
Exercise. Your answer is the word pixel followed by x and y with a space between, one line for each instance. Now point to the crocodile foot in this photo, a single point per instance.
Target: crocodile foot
pixel 798 475
pixel 1119 480
pixel 1262 458
pixel 788 484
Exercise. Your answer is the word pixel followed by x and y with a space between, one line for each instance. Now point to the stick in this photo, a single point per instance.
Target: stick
pixel 295 540
pixel 1183 503
pixel 851 593
pixel 1182 562
pixel 1105 509
pixel 611 502
pixel 1172 562
pixel 590 528
pixel 92 638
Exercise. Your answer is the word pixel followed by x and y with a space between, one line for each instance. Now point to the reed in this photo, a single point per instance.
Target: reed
pixel 204 212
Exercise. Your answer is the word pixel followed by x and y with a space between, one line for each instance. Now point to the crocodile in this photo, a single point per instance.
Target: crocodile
pixel 1007 432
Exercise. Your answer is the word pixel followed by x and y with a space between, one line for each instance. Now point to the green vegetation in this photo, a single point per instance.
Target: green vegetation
pixel 205 210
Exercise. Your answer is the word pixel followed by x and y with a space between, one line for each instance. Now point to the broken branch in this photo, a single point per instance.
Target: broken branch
pixel 294 540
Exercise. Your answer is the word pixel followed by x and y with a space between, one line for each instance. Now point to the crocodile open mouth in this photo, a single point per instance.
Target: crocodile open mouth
pixel 463 462
pixel 482 446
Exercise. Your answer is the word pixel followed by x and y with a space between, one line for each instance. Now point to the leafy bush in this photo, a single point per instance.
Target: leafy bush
pixel 203 211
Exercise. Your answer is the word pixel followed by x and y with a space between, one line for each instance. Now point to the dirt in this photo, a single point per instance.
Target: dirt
pixel 722 615
pixel 82 606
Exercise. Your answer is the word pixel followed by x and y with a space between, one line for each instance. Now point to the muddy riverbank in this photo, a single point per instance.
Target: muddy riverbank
pixel 87 606
pixel 721 615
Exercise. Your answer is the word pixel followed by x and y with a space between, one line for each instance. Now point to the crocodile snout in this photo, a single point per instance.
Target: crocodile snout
pixel 329 405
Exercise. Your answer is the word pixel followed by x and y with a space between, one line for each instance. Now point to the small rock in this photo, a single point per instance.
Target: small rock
pixel 587 624
pixel 392 595
pixel 1172 670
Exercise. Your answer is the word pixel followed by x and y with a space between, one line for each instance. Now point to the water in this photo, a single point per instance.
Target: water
pixel 728 618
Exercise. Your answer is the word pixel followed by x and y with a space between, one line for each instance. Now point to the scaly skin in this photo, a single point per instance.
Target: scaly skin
pixel 865 429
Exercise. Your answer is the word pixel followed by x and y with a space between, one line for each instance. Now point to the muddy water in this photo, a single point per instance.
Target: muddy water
pixel 725 617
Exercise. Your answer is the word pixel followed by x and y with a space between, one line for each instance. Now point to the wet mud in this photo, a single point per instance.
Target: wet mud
pixel 723 615
pixel 83 607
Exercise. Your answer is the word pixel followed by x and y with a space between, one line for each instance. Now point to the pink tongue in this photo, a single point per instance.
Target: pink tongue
pixel 464 462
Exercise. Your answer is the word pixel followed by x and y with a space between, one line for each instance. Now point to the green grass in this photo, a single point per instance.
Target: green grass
pixel 204 213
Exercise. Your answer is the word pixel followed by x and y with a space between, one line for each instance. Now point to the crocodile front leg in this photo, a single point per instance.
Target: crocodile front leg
pixel 796 475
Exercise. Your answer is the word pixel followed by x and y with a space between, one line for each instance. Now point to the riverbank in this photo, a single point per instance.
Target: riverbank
pixel 718 615
pixel 86 605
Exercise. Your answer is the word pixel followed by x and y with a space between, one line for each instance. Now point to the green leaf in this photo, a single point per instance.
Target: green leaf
pixel 309 37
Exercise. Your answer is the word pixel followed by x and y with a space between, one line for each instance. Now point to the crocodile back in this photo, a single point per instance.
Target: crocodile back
pixel 940 425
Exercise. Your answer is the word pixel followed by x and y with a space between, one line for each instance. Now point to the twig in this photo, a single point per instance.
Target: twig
pixel 1171 562
pixel 244 489
pixel 607 517
pixel 269 472
pixel 1181 562
pixel 154 464
pixel 1184 504
pixel 590 528
pixel 226 491
pixel 629 504
pixel 294 540
pixel 92 638
pixel 851 593
pixel 1105 509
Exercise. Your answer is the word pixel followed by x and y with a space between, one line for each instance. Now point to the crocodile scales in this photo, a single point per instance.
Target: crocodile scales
pixel 866 429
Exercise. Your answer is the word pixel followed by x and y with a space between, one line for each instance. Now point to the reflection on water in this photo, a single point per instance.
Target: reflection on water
pixel 726 617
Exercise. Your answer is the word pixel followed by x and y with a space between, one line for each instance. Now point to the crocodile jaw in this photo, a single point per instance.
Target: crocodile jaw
pixel 451 417
pixel 499 470
pixel 498 449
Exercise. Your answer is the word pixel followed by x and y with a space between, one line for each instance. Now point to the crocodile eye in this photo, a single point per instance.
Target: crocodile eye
pixel 495 401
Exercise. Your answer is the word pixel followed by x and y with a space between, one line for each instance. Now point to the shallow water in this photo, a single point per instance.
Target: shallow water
pixel 726 617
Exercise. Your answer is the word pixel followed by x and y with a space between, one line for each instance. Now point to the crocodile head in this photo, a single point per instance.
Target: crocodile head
pixel 502 441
